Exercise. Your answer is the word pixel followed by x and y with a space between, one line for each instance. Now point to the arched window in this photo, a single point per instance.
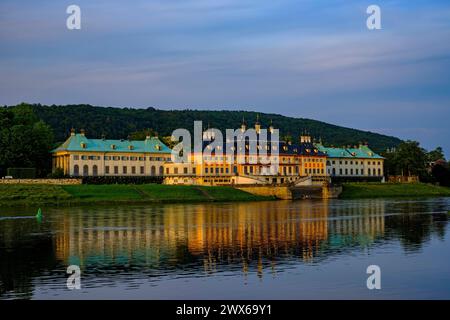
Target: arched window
pixel 153 171
pixel 76 170
pixel 85 170
pixel 94 170
pixel 161 171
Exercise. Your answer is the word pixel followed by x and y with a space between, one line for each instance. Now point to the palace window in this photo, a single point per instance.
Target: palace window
pixel 107 158
pixel 124 170
pixel 185 170
pixel 76 157
pixel 175 170
pixel 124 158
pixel 116 158
pixel 116 170
pixel 76 170
pixel 133 170
pixel 142 170
pixel 133 158
pixel 106 169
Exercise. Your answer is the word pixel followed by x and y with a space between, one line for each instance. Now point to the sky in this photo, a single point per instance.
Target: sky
pixel 304 58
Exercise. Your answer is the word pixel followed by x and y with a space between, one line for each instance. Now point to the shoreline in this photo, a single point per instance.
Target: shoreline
pixel 392 190
pixel 15 195
pixel 147 194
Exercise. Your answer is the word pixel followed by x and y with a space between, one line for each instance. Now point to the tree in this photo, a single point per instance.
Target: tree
pixel 407 160
pixel 142 134
pixel 435 155
pixel 441 173
pixel 25 141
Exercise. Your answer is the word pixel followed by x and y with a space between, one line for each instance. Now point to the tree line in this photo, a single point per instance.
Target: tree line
pixel 410 159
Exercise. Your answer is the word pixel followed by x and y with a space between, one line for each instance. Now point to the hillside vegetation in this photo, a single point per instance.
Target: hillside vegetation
pixel 117 123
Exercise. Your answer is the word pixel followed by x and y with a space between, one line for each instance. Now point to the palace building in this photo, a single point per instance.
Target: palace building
pixel 81 156
pixel 359 163
pixel 296 162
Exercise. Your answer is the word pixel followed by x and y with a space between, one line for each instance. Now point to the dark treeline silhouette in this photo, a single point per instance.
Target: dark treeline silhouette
pixel 117 123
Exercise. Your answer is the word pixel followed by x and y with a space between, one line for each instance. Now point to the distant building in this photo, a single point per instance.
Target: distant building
pixel 296 162
pixel 81 156
pixel 353 164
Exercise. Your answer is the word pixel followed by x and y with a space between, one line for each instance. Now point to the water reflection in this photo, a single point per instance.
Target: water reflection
pixel 198 240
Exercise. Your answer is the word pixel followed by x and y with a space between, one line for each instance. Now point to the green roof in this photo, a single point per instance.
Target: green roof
pixel 361 152
pixel 79 142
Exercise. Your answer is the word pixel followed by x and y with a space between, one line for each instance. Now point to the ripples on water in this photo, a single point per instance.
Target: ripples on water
pixel 283 249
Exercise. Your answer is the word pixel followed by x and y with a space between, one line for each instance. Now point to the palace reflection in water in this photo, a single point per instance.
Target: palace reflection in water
pixel 202 239
pixel 227 234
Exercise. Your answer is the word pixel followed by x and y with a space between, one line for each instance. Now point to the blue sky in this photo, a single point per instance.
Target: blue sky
pixel 303 58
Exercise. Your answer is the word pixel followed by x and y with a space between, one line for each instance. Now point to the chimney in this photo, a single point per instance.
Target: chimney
pixel 257 125
pixel 82 132
pixel 271 127
pixel 243 125
pixel 72 131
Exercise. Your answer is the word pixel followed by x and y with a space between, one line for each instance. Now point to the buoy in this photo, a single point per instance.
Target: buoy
pixel 39 214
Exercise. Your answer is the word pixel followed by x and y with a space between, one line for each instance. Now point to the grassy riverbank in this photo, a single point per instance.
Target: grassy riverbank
pixel 384 190
pixel 31 195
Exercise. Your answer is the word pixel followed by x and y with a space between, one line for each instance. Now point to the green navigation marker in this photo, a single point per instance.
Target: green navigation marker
pixel 39 214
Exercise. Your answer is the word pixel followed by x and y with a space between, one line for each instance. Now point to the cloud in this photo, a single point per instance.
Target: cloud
pixel 301 58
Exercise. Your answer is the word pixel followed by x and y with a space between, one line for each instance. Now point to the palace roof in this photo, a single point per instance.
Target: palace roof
pixel 361 152
pixel 80 143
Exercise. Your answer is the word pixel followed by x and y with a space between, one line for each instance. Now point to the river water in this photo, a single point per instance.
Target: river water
pixel 256 250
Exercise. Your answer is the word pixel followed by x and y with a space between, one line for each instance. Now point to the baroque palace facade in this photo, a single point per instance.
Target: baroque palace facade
pixel 296 161
pixel 81 156
pixel 301 163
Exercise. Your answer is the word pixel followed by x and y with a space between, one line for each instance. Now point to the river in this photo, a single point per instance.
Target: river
pixel 256 250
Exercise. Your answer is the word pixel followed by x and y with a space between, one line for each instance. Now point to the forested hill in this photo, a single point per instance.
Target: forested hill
pixel 118 123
